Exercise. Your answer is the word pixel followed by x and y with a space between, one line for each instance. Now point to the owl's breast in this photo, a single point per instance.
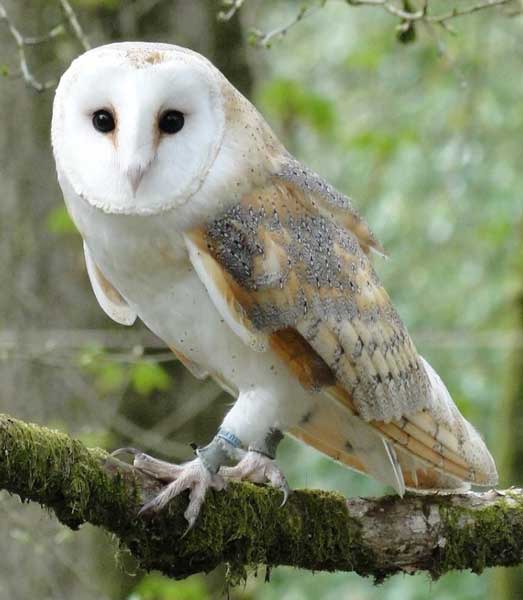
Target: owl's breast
pixel 146 260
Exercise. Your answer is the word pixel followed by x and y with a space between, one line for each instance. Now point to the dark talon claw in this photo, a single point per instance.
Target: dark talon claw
pixel 148 507
pixel 286 493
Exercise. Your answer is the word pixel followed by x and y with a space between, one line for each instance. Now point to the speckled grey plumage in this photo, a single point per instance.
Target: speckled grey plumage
pixel 325 288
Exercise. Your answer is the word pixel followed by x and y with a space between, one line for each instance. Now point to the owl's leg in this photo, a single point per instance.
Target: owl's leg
pixel 258 419
pixel 249 436
pixel 258 465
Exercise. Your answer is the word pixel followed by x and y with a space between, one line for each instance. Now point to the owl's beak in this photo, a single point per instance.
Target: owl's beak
pixel 135 175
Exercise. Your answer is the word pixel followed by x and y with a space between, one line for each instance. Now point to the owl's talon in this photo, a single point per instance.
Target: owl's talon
pixel 127 450
pixel 159 469
pixel 147 508
pixel 286 490
pixel 259 468
pixel 192 476
pixel 189 527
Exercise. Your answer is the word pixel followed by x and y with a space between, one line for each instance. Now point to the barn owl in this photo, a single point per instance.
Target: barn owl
pixel 254 271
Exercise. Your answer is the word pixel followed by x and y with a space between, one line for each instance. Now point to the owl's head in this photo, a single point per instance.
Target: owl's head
pixel 137 126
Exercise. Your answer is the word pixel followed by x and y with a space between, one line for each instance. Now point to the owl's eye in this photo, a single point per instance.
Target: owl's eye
pixel 171 121
pixel 103 121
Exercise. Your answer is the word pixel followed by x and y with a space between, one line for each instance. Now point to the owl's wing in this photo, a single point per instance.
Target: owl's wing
pixel 286 274
pixel 109 298
pixel 321 197
pixel 273 265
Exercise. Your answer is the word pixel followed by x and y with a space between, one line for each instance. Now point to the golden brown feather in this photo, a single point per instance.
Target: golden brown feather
pixel 288 271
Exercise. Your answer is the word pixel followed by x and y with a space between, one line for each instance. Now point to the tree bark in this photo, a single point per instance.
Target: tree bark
pixel 244 524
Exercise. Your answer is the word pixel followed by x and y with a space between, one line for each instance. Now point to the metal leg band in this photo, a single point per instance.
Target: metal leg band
pixel 224 446
pixel 229 437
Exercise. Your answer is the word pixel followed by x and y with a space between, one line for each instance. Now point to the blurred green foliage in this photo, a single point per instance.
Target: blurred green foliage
pixel 290 101
pixel 147 377
pixel 113 372
pixel 155 587
pixel 59 222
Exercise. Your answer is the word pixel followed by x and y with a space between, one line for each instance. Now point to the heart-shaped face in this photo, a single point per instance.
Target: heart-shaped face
pixel 137 126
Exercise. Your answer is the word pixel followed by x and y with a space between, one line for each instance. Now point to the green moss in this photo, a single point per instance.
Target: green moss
pixel 480 537
pixel 244 526
pixel 247 527
pixel 49 467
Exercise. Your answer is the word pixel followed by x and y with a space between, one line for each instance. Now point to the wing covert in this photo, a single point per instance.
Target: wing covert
pixel 322 197
pixel 287 275
pixel 283 266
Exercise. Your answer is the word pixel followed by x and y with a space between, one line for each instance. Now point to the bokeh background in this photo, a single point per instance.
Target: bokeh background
pixel 427 139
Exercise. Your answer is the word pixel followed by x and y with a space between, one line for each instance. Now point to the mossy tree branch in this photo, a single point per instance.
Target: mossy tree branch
pixel 244 524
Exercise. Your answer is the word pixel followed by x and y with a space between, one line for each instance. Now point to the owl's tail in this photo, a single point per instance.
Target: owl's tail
pixel 434 449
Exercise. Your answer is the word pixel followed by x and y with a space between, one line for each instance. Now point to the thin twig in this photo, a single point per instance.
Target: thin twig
pixel 407 17
pixel 264 40
pixel 422 14
pixel 460 12
pixel 75 24
pixel 21 43
pixel 47 37
pixel 233 6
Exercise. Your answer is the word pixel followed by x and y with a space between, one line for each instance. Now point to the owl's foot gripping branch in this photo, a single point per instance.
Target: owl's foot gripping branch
pixel 208 471
pixel 245 525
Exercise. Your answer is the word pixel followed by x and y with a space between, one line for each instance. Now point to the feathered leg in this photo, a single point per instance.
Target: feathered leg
pixel 249 435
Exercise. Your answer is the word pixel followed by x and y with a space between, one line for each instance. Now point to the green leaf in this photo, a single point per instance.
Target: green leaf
pixel 156 587
pixel 59 222
pixel 406 33
pixel 147 377
pixel 290 101
pixel 110 376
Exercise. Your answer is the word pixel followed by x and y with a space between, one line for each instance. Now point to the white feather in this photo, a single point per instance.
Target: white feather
pixel 119 78
pixel 257 341
pixel 115 307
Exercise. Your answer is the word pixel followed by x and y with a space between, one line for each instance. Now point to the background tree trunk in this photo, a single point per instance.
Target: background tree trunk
pixel 510 581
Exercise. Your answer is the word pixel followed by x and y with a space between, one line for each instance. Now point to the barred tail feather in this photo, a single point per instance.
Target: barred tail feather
pixel 452 431
pixel 434 449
